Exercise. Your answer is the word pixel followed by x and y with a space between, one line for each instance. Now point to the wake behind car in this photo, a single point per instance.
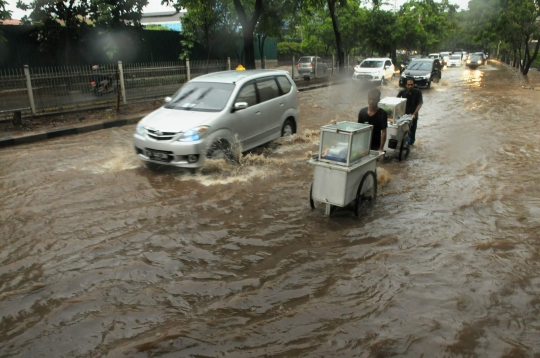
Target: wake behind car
pixel 374 70
pixel 214 115
pixel 423 71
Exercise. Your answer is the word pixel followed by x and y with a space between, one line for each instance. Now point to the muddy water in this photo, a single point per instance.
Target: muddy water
pixel 100 257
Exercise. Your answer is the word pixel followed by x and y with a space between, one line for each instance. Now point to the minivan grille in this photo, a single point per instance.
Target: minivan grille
pixel 158 135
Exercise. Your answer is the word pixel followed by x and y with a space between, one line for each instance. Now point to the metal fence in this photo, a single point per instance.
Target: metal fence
pixel 35 91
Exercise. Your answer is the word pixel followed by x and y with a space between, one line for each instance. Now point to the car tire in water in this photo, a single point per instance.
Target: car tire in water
pixel 382 81
pixel 220 149
pixel 288 128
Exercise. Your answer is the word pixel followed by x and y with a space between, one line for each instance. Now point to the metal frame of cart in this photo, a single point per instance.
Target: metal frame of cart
pixel 401 132
pixel 336 185
pixel 399 127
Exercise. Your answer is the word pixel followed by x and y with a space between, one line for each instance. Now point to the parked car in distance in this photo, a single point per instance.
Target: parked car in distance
pixel 374 70
pixel 475 60
pixel 445 57
pixel 434 55
pixel 307 65
pixel 455 60
pixel 214 115
pixel 423 71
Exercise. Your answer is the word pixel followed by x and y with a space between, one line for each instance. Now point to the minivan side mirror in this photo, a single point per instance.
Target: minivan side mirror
pixel 168 99
pixel 240 105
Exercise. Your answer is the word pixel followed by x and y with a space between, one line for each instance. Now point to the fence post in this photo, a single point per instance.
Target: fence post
pixel 292 72
pixel 316 65
pixel 229 63
pixel 29 88
pixel 333 64
pixel 187 70
pixel 122 85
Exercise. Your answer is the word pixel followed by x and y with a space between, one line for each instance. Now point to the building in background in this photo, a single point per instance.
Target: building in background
pixel 167 18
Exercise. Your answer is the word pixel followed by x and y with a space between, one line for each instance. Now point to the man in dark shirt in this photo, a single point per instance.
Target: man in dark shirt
pixel 377 117
pixel 414 103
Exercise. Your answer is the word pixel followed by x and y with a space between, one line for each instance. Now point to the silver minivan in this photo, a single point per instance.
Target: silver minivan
pixel 218 115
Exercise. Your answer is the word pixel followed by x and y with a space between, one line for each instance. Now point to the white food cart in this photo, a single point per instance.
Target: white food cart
pixel 399 127
pixel 345 169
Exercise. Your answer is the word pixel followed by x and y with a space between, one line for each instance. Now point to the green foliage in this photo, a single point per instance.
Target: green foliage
pixel 78 16
pixel 4 15
pixel 211 23
pixel 290 49
pixel 156 27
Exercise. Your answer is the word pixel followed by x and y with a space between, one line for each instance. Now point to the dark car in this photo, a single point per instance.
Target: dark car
pixel 476 59
pixel 423 71
pixel 406 60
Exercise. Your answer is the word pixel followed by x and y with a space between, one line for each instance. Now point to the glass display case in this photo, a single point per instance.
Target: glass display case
pixel 394 107
pixel 345 143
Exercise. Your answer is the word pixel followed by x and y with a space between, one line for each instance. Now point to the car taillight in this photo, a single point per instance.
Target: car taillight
pixel 92 83
pixel 297 65
pixel 311 64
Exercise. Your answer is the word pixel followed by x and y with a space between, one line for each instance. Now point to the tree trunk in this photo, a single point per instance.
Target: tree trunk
pixel 530 58
pixel 339 44
pixel 261 39
pixel 248 25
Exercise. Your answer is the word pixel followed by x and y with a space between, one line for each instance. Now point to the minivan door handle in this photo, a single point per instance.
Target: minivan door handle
pixel 258 112
pixel 281 104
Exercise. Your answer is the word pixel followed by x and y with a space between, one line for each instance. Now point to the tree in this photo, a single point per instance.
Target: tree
pixel 519 24
pixel 4 15
pixel 272 22
pixel 62 23
pixel 425 24
pixel 209 22
pixel 248 26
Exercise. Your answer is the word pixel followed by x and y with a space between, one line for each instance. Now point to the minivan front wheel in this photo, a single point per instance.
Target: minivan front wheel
pixel 220 149
pixel 288 128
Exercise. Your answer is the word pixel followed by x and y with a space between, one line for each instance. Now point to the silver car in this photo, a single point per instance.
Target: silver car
pixel 218 115
pixel 307 65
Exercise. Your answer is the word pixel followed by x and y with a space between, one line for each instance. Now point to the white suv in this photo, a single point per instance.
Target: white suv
pixel 214 115
pixel 375 70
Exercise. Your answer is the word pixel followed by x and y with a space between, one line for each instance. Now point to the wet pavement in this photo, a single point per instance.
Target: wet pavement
pixel 100 257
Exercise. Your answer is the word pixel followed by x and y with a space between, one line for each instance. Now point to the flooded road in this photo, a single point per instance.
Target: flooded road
pixel 100 257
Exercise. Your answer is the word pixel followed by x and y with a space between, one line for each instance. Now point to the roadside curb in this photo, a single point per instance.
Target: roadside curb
pixel 521 79
pixel 34 137
pixel 30 138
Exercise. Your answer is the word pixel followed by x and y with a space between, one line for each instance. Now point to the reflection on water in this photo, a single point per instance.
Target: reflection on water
pixel 231 261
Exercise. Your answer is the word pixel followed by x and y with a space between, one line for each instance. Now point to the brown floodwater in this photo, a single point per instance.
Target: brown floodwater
pixel 100 257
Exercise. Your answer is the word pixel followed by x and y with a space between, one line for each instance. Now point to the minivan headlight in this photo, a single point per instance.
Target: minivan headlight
pixel 140 130
pixel 427 76
pixel 193 134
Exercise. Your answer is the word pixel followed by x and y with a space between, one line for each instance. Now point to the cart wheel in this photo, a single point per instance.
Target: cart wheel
pixel 311 202
pixel 367 192
pixel 405 147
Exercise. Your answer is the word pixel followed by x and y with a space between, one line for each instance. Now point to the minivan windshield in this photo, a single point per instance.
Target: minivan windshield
pixel 371 64
pixel 420 66
pixel 201 96
pixel 455 57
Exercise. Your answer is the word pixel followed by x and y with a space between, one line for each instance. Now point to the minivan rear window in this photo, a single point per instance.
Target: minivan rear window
pixel 201 96
pixel 284 84
pixel 305 60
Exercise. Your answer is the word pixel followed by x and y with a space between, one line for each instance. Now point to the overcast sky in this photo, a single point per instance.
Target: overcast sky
pixel 155 6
